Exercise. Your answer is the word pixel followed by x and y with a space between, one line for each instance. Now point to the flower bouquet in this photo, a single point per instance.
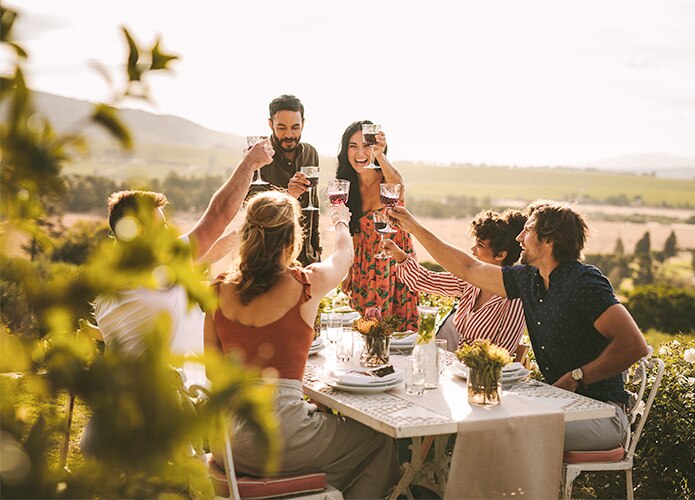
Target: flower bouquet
pixel 376 332
pixel 484 361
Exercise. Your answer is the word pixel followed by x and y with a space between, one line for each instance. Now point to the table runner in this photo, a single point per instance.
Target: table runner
pixel 517 457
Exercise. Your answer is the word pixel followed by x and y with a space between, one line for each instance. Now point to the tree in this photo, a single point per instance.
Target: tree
pixel 644 245
pixel 151 431
pixel 619 248
pixel 670 246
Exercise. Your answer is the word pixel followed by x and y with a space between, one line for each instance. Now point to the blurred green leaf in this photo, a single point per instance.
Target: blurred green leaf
pixel 7 19
pixel 19 50
pixel 107 117
pixel 159 59
pixel 134 72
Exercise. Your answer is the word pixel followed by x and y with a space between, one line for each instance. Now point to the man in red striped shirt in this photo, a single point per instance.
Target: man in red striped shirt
pixel 480 314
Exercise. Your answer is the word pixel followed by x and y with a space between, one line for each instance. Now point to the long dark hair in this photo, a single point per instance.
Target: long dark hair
pixel 345 171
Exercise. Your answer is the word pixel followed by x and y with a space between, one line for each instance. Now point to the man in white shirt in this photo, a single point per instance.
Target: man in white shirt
pixel 125 319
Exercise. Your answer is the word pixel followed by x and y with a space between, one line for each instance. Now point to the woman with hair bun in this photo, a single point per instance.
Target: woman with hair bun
pixel 266 311
pixel 479 314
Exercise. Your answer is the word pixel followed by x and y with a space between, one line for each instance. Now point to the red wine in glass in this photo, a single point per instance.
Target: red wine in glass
pixel 380 226
pixel 369 139
pixel 338 198
pixel 313 181
pixel 388 201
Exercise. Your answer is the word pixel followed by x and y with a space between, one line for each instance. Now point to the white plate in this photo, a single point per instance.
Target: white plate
pixel 315 349
pixel 461 371
pixel 513 368
pixel 365 389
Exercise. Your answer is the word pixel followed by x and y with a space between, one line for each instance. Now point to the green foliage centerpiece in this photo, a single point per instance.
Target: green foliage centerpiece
pixel 484 361
pixel 376 332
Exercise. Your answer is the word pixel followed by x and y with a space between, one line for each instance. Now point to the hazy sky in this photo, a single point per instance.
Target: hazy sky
pixel 513 82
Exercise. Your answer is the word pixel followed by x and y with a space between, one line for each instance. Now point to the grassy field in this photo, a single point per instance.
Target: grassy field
pixel 422 180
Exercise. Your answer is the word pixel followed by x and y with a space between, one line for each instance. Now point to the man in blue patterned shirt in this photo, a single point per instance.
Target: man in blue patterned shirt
pixel 582 337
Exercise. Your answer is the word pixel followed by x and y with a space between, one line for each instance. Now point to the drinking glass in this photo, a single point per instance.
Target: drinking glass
pixel 312 175
pixel 369 132
pixel 441 350
pixel 344 345
pixel 414 376
pixel 389 194
pixel 381 225
pixel 334 325
pixel 251 141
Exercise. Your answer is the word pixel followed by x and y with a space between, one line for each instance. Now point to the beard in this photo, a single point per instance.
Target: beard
pixel 287 146
pixel 524 257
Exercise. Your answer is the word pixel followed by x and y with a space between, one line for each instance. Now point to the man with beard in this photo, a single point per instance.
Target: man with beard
pixel 582 337
pixel 286 122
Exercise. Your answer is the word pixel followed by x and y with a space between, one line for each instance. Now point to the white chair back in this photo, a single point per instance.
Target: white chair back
pixel 640 408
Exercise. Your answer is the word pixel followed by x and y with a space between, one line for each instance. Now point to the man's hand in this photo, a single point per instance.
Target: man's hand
pixel 260 154
pixel 394 250
pixel 402 218
pixel 567 383
pixel 298 185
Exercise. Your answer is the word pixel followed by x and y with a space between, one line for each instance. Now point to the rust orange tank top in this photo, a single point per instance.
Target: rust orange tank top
pixel 282 345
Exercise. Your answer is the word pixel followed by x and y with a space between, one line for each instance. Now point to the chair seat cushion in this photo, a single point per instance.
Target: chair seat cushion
pixel 581 457
pixel 266 487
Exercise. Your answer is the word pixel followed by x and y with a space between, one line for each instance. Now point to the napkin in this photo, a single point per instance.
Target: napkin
pixel 407 340
pixel 354 378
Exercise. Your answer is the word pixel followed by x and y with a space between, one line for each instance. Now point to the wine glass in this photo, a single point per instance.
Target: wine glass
pixel 312 175
pixel 251 141
pixel 389 194
pixel 381 224
pixel 369 132
pixel 338 192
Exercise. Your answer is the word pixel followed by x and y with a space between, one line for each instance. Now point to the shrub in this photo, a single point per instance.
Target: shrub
pixel 665 454
pixel 664 308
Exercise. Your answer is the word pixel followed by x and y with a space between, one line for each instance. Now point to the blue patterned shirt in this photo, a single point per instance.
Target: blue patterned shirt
pixel 560 320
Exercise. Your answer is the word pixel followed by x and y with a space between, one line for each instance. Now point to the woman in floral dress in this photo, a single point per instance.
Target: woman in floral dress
pixel 371 281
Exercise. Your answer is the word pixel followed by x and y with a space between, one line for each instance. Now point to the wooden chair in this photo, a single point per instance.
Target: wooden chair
pixel 522 355
pixel 621 458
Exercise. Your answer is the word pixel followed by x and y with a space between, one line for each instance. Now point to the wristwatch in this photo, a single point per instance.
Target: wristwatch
pixel 578 376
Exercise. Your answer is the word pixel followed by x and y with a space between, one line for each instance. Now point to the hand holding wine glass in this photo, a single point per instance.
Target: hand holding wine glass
pixel 369 133
pixel 382 226
pixel 340 214
pixel 264 147
pixel 312 175
pixel 298 185
pixel 403 218
pixel 394 250
pixel 390 195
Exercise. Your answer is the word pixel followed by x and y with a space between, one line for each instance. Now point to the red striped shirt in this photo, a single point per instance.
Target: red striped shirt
pixel 499 319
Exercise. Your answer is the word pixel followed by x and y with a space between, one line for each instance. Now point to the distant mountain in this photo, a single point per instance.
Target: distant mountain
pixel 147 128
pixel 662 165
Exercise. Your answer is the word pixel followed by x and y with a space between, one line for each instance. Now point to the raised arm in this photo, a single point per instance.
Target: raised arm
pixel 327 274
pixel 456 261
pixel 627 346
pixel 391 175
pixel 227 200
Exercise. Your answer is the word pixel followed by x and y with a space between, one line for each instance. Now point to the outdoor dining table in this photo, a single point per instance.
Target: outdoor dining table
pixel 429 420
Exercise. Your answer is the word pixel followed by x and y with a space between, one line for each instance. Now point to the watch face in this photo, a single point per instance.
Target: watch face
pixel 577 374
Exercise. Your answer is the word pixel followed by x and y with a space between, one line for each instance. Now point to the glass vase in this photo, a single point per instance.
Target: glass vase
pixel 484 387
pixel 375 351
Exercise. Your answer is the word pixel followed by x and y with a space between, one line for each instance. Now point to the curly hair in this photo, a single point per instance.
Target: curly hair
pixel 562 225
pixel 501 230
pixel 271 236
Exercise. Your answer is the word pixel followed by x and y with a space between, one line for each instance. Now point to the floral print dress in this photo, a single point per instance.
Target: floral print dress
pixel 373 281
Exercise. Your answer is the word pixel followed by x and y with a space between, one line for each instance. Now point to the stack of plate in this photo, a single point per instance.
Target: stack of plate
pixel 360 383
pixel 316 346
pixel 513 372
pixel 402 341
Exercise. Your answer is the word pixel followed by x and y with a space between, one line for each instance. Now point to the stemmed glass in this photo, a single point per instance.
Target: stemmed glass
pixel 338 192
pixel 251 141
pixel 369 132
pixel 381 224
pixel 389 194
pixel 312 175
